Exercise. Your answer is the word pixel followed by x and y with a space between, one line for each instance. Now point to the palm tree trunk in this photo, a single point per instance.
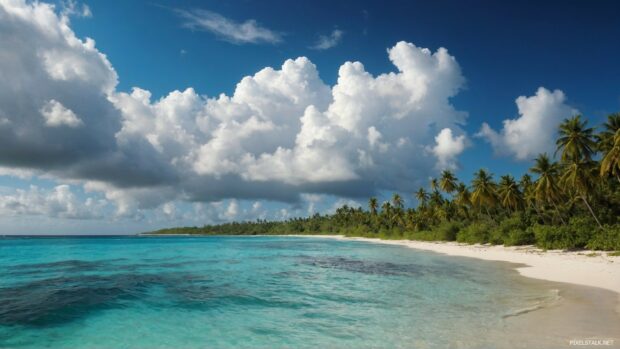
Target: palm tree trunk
pixel 557 210
pixel 488 213
pixel 591 212
pixel 538 212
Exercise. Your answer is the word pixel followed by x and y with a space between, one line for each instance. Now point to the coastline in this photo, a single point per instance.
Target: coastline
pixel 573 267
pixel 583 268
pixel 591 286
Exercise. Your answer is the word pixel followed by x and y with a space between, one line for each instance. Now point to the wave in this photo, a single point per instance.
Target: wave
pixel 540 303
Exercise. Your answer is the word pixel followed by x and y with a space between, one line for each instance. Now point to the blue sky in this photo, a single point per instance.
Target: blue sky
pixel 502 50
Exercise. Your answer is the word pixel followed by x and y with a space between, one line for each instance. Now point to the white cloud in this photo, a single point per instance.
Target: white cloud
pixel 73 8
pixel 58 202
pixel 232 210
pixel 447 148
pixel 281 134
pixel 227 29
pixel 328 41
pixel 534 131
pixel 342 202
pixel 55 114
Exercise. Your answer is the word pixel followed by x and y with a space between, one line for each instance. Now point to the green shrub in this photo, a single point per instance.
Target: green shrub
pixel 511 231
pixel 576 234
pixel 478 232
pixel 447 231
pixel 606 240
pixel 518 237
pixel 550 237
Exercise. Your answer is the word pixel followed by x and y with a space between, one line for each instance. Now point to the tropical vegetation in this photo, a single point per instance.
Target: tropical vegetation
pixel 568 200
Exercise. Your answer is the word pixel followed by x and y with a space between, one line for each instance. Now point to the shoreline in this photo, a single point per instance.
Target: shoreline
pixel 573 267
pixel 584 268
pixel 586 291
pixel 600 275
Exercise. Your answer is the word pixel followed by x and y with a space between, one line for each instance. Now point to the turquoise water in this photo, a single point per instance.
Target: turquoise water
pixel 252 292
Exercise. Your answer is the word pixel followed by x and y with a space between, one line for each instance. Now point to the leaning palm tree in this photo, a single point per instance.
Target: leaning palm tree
pixel 576 140
pixel 579 177
pixel 546 189
pixel 373 205
pixel 447 182
pixel 483 195
pixel 422 196
pixel 610 164
pixel 509 194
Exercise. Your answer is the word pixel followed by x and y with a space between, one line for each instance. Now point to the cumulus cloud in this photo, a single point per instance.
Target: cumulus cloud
pixel 281 134
pixel 227 29
pixel 447 148
pixel 534 130
pixel 343 202
pixel 52 78
pixel 227 211
pixel 328 41
pixel 73 8
pixel 58 202
pixel 56 114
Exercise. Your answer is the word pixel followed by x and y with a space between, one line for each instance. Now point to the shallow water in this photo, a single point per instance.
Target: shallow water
pixel 224 292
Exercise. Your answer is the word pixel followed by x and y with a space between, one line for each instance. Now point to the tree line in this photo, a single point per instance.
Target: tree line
pixel 569 200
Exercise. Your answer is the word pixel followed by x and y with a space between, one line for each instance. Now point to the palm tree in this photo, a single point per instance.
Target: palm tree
pixel 509 194
pixel 527 188
pixel 463 196
pixel 373 205
pixel 576 140
pixel 386 212
pixel 605 139
pixel 436 199
pixel 525 183
pixel 578 176
pixel 447 183
pixel 422 196
pixel 483 194
pixel 610 164
pixel 546 188
pixel 434 184
pixel 397 201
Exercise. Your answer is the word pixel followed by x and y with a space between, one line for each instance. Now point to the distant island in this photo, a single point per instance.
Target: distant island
pixel 571 203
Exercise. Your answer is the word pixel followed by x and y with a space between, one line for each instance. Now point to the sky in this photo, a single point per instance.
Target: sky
pixel 119 117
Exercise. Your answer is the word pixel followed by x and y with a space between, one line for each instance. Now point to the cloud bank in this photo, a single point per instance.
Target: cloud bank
pixel 283 132
pixel 58 202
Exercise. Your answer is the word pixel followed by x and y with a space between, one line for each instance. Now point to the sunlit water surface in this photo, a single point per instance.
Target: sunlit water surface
pixel 267 292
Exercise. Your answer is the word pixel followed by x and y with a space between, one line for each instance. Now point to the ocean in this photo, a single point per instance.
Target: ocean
pixel 253 292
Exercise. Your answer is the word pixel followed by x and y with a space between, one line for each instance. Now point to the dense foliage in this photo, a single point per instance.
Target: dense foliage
pixel 571 203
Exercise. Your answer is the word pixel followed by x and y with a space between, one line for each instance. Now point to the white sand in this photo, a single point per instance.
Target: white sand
pixel 578 268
